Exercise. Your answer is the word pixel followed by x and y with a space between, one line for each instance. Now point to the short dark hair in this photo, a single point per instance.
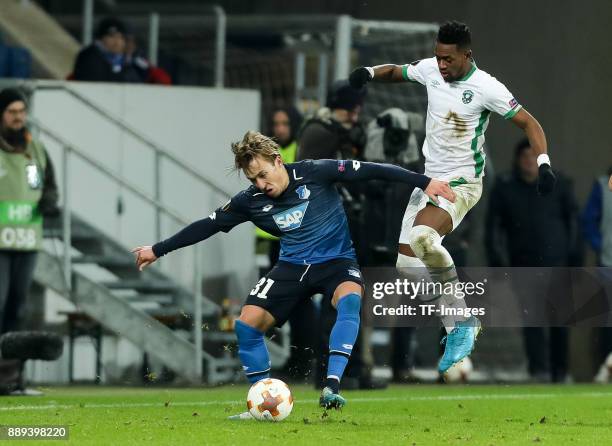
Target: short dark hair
pixel 456 33
pixel 341 95
pixel 108 26
pixel 521 146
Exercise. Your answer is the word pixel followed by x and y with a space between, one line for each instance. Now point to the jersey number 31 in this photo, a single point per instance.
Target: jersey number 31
pixel 264 291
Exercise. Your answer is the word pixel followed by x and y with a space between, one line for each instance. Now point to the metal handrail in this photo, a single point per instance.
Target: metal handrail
pixel 106 171
pixel 55 85
pixel 68 150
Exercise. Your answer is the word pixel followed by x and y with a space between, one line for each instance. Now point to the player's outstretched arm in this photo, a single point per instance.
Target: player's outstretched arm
pixel 353 170
pixel 189 235
pixel 223 219
pixel 381 73
pixel 537 140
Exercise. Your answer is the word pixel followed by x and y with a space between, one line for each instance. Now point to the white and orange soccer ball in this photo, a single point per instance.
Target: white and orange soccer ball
pixel 460 372
pixel 270 399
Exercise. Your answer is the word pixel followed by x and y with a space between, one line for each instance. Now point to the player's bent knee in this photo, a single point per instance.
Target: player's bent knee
pixel 423 240
pixel 351 303
pixel 405 250
pixel 345 289
pixel 256 317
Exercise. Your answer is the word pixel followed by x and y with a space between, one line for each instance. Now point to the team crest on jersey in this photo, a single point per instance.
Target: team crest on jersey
pixel 467 96
pixel 291 218
pixel 303 192
pixel 341 165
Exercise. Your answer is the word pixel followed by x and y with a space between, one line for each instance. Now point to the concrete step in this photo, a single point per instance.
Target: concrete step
pixel 143 286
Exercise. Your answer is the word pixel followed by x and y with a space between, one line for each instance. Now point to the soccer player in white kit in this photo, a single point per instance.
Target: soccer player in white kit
pixel 461 98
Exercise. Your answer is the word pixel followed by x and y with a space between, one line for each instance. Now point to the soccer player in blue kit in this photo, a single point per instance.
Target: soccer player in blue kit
pixel 299 203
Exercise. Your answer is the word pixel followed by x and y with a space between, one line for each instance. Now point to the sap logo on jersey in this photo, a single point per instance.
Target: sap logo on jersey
pixel 291 218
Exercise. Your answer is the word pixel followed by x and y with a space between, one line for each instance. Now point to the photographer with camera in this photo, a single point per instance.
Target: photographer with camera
pixel 334 132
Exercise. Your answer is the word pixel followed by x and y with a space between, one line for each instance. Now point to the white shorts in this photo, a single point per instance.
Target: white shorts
pixel 467 195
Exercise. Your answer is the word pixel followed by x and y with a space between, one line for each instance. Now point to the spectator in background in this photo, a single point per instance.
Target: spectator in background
pixel 27 192
pixel 539 232
pixel 335 132
pixel 135 61
pixel 284 125
pixel 597 219
pixel 597 229
pixel 104 60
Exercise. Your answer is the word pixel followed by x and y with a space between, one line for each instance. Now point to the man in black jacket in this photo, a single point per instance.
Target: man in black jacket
pixel 104 59
pixel 537 231
pixel 334 132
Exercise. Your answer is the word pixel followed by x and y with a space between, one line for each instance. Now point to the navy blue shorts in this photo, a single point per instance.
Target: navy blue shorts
pixel 287 284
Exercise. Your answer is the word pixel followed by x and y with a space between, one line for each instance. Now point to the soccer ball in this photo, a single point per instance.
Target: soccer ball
pixel 459 372
pixel 270 399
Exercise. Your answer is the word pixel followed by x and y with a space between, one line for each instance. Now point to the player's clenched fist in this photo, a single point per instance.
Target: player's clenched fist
pixel 437 188
pixel 361 76
pixel 144 256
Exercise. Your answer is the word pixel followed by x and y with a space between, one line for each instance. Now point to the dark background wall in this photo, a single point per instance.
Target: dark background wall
pixel 555 56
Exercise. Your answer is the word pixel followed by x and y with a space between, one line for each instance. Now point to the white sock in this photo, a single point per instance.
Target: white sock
pixel 426 243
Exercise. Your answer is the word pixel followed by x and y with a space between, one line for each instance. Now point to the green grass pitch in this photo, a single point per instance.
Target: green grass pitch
pixel 403 415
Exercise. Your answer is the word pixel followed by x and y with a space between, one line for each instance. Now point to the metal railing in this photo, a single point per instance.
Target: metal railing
pixel 69 150
pixel 160 152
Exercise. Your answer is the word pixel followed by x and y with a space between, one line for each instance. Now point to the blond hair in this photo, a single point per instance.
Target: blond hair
pixel 254 144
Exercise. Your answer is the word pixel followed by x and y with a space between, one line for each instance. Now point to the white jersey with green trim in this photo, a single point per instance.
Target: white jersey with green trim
pixel 457 118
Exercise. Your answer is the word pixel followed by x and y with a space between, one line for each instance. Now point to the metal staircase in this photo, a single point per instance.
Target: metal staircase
pixel 90 268
pixel 132 304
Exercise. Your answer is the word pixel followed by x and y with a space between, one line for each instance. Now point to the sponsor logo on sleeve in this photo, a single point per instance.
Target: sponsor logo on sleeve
pixel 213 216
pixel 513 103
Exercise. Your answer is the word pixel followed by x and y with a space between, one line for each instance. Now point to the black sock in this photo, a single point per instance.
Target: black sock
pixel 333 384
